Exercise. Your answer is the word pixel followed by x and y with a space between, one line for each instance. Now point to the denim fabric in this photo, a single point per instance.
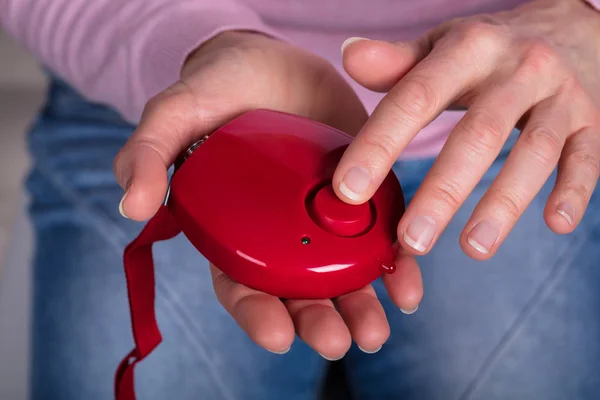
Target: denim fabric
pixel 524 325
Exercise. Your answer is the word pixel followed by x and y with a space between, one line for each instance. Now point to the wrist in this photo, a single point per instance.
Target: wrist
pixel 226 39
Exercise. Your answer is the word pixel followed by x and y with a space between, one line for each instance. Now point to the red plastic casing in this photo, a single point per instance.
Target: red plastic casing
pixel 245 198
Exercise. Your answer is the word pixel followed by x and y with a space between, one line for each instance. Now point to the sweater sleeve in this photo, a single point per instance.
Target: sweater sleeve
pixel 121 53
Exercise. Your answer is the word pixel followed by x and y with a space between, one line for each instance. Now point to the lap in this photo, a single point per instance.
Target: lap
pixel 81 317
pixel 522 325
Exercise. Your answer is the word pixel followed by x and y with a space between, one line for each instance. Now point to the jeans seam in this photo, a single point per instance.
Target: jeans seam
pixel 544 290
pixel 116 237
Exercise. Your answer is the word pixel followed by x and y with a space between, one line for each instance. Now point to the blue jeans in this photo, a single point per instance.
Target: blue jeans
pixel 524 325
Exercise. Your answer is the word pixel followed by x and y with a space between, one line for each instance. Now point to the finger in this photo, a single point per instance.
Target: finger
pixel 365 318
pixel 177 118
pixel 144 182
pixel 468 153
pixel 525 171
pixel 419 97
pixel 405 286
pixel 170 123
pixel 263 317
pixel 379 65
pixel 320 326
pixel 577 177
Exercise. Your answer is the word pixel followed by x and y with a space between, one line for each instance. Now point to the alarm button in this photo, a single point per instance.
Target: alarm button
pixel 337 217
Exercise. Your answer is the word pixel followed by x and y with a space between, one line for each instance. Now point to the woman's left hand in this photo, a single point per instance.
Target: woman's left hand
pixel 536 67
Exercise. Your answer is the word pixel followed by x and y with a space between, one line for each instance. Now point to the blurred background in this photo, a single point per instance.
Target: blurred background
pixel 21 93
pixel 22 87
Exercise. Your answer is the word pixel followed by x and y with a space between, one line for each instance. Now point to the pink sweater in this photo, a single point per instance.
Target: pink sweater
pixel 122 52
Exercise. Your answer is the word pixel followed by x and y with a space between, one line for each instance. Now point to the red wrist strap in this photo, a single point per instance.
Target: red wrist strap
pixel 139 272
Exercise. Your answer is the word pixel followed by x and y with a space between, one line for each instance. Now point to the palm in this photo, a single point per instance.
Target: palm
pixel 311 88
pixel 234 73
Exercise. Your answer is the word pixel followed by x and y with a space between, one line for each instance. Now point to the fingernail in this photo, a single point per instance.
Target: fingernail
pixel 332 359
pixel 369 352
pixel 408 312
pixel 566 211
pixel 121 210
pixel 349 41
pixel 355 183
pixel 280 352
pixel 483 236
pixel 420 233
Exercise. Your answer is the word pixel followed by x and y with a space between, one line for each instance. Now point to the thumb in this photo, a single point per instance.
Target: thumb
pixel 170 123
pixel 143 176
pixel 379 65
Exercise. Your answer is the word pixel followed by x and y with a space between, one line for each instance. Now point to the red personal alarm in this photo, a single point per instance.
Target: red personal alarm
pixel 255 198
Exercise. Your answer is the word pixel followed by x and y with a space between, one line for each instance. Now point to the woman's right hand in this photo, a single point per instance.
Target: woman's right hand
pixel 233 73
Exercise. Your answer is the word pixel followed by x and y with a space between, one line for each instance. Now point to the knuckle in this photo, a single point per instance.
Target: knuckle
pixel 449 192
pixel 418 98
pixel 572 87
pixel 510 202
pixel 481 34
pixel 383 144
pixel 484 132
pixel 543 143
pixel 583 160
pixel 153 144
pixel 579 191
pixel 153 104
pixel 171 101
pixel 540 56
pixel 161 103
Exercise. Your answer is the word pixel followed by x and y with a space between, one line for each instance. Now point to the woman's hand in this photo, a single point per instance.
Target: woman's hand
pixel 233 73
pixel 536 67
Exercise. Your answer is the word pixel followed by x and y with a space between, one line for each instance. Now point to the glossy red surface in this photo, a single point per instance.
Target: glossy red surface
pixel 254 200
pixel 337 217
